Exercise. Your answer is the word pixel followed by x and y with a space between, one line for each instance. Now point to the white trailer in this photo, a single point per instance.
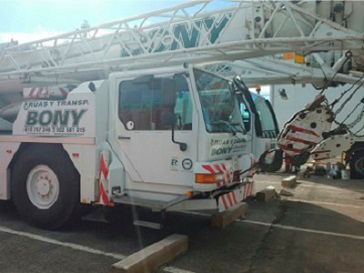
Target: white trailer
pixel 141 127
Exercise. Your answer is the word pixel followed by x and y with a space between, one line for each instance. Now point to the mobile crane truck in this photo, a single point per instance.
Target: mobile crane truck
pixel 118 118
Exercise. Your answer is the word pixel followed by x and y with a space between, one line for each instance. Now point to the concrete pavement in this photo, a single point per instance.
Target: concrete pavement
pixel 319 229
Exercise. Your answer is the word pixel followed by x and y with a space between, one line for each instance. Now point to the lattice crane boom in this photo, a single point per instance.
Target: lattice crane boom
pixel 193 32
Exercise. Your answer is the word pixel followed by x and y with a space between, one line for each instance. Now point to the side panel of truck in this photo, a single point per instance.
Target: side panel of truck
pixel 84 158
pixel 68 122
pixel 7 151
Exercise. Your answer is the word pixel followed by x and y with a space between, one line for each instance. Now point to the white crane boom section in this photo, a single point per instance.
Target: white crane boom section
pixel 269 70
pixel 193 32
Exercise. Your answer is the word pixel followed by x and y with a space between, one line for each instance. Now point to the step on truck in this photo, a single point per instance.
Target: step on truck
pixel 166 139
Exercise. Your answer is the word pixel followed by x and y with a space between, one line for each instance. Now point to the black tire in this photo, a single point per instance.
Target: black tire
pixel 357 164
pixel 66 204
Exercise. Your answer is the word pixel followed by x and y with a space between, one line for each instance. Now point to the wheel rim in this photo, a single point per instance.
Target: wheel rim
pixel 359 165
pixel 42 187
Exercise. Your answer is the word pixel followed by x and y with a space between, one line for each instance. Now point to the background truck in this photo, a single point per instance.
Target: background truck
pixel 113 115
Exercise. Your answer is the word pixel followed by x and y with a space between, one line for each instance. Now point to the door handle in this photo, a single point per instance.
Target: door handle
pixel 123 137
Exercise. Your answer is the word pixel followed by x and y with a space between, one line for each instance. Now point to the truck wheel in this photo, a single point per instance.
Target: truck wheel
pixel 357 164
pixel 45 186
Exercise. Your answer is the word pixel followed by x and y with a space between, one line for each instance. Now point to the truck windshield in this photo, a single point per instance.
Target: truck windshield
pixel 219 104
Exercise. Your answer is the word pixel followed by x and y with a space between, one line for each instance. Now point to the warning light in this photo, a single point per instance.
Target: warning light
pixel 288 55
pixel 299 59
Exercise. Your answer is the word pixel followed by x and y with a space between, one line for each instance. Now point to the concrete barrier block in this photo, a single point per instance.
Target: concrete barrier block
pixel 223 219
pixel 266 195
pixel 289 182
pixel 152 257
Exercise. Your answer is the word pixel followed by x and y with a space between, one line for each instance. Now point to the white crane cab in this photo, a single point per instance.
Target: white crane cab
pixel 179 136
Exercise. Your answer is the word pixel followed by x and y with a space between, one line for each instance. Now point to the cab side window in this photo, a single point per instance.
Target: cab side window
pixel 144 101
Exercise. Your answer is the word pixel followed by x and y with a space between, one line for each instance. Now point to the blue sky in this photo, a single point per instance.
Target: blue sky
pixel 24 19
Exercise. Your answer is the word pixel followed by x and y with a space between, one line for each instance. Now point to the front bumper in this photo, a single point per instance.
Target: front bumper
pixel 218 200
pixel 230 171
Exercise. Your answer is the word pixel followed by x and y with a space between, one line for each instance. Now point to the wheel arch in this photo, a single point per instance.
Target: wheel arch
pixel 34 206
pixel 26 145
pixel 357 146
pixel 355 153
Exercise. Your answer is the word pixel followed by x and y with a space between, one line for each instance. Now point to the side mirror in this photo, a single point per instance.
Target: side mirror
pixel 271 161
pixel 240 84
pixel 283 94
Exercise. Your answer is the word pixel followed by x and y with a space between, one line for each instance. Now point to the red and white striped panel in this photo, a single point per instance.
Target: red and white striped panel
pixel 220 169
pixel 228 200
pixel 248 189
pixel 232 198
pixel 36 92
pixel 45 92
pixel 103 181
pixel 298 139
pixel 252 168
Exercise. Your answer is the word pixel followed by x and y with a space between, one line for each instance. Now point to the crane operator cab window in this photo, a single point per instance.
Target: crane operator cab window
pixel 143 102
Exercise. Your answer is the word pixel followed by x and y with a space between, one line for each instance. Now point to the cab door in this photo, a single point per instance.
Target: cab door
pixel 144 130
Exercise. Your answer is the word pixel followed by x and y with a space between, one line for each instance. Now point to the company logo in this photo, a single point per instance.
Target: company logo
pixel 56 118
pixel 220 151
pixel 183 35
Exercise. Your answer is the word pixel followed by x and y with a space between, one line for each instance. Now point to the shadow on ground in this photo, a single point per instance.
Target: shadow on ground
pixel 242 247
